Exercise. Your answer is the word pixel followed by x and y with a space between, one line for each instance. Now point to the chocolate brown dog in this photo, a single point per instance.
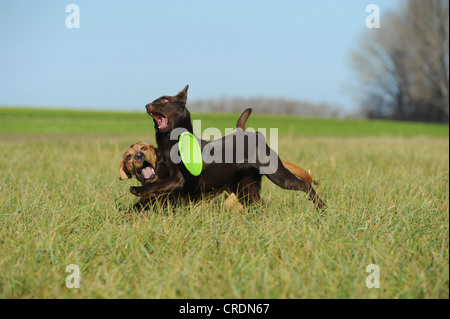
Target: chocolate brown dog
pixel 141 161
pixel 241 176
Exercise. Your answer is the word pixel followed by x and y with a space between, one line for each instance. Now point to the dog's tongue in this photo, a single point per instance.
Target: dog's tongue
pixel 162 122
pixel 147 172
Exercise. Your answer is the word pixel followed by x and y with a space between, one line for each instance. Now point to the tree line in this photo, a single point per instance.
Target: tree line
pixel 403 66
pixel 266 105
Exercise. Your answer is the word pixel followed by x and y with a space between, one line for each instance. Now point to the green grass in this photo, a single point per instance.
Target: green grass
pixel 35 121
pixel 61 203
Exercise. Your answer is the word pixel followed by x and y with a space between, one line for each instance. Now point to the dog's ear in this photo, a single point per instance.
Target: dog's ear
pixel 122 174
pixel 182 95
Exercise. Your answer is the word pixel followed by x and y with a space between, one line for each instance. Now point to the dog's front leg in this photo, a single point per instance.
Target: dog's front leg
pixel 167 186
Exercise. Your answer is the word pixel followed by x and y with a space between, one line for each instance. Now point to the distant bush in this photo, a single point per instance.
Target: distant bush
pixel 265 105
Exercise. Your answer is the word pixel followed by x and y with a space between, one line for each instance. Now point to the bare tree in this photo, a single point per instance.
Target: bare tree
pixel 403 67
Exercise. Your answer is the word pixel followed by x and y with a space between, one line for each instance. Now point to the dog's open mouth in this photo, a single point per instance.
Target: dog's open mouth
pixel 147 172
pixel 161 120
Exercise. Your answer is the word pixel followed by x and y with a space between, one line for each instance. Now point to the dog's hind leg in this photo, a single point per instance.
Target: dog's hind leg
pixel 248 190
pixel 286 180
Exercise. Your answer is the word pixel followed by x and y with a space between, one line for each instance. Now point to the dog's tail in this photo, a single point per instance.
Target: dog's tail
pixel 299 172
pixel 243 119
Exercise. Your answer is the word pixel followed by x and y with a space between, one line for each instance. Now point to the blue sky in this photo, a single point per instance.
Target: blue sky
pixel 127 53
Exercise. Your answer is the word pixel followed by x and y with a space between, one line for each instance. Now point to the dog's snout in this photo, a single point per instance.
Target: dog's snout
pixel 149 106
pixel 139 156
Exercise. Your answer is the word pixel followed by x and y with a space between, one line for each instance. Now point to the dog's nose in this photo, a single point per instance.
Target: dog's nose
pixel 149 106
pixel 139 156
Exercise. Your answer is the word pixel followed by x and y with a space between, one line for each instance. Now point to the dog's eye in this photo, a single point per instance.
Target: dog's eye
pixel 164 101
pixel 128 157
pixel 143 149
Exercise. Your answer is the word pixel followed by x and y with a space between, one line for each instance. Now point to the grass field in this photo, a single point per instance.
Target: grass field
pixel 386 185
pixel 35 121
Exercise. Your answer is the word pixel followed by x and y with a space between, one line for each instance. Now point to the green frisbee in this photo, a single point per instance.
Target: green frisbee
pixel 191 153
